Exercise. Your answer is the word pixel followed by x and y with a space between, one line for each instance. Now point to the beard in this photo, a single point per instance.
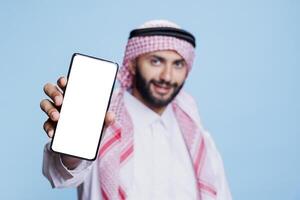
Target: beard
pixel 143 87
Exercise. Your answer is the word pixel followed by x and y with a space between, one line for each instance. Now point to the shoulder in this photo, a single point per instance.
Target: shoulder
pixel 189 104
pixel 186 102
pixel 185 98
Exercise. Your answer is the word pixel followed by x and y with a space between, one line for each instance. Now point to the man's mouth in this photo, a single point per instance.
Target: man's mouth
pixel 161 89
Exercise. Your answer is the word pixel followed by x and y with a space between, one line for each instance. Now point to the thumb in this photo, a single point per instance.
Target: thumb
pixel 109 119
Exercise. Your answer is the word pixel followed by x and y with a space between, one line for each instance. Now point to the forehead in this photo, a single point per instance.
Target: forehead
pixel 166 54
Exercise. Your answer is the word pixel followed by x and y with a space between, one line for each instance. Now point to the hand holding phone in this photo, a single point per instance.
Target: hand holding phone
pixel 99 88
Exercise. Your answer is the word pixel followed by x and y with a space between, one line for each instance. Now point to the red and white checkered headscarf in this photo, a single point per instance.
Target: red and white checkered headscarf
pixel 139 45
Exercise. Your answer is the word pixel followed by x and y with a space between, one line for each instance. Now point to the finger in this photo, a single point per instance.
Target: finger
pixel 49 109
pixel 49 127
pixel 109 118
pixel 62 82
pixel 53 92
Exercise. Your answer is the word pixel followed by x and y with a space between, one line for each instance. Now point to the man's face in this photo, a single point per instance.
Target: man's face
pixel 159 76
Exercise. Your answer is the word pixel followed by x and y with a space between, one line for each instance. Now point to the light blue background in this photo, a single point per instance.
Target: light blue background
pixel 245 79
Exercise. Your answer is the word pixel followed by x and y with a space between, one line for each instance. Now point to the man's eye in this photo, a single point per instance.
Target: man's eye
pixel 155 62
pixel 179 65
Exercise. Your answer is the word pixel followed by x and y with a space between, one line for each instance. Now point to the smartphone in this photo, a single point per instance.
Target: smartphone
pixel 86 100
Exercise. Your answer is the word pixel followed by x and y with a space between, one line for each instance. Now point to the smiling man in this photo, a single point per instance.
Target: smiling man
pixel 154 146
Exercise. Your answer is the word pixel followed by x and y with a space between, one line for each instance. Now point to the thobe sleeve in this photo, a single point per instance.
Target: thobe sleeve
pixel 58 174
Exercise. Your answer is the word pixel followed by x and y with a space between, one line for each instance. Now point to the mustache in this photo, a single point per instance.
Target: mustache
pixel 164 83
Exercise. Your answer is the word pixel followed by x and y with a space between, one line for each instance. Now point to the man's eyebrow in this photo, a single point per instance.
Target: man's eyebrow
pixel 179 60
pixel 162 59
pixel 157 57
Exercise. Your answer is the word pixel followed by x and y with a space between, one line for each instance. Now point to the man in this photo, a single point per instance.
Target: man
pixel 154 146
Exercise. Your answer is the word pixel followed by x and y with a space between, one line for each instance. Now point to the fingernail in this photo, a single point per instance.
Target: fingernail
pixel 57 100
pixel 54 115
pixel 63 80
pixel 50 133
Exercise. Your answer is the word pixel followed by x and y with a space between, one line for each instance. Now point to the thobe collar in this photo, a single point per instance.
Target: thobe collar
pixel 143 115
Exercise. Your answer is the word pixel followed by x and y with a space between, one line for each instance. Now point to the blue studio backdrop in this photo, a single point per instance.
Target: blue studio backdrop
pixel 245 80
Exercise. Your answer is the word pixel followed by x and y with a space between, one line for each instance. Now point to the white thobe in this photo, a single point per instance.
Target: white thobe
pixel 162 167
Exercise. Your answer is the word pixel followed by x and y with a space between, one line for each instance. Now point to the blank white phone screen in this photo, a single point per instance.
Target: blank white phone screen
pixel 84 107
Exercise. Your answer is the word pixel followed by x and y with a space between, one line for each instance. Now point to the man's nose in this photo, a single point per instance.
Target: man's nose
pixel 166 73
